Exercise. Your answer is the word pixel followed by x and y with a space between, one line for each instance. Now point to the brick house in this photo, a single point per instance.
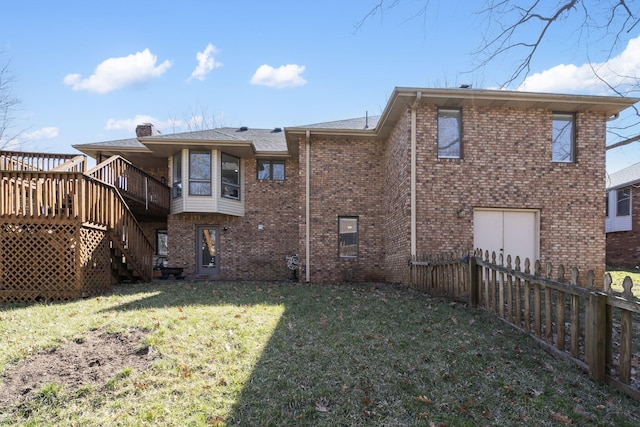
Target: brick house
pixel 439 170
pixel 623 241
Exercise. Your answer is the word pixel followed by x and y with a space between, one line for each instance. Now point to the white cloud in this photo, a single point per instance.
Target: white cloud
pixel 44 133
pixel 281 77
pixel 621 71
pixel 130 124
pixel 16 142
pixel 206 62
pixel 116 73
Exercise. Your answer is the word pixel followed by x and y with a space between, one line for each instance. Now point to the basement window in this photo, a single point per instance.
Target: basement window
pixel 347 237
pixel 162 243
pixel 270 170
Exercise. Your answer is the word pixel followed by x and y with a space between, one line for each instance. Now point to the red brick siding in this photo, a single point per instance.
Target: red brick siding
pixel 397 201
pixel 245 252
pixel 346 180
pixel 623 247
pixel 507 164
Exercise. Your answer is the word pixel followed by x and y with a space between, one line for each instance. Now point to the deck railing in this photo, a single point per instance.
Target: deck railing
pixel 74 195
pixel 133 183
pixel 23 161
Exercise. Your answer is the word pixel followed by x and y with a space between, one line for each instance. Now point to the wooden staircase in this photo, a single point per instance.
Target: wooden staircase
pixel 67 232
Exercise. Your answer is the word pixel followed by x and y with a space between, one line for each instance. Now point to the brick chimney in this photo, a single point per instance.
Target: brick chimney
pixel 145 129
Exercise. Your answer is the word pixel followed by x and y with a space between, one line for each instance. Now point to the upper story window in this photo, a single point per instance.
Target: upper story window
pixel 563 142
pixel 176 186
pixel 230 177
pixel 623 206
pixel 270 170
pixel 199 173
pixel 450 133
pixel 348 237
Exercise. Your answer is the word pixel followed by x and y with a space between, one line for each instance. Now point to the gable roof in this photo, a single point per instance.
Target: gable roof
pixel 360 123
pixel 404 98
pixel 247 142
pixel 243 141
pixel 625 177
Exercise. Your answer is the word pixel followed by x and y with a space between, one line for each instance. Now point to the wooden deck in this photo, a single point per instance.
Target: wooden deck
pixel 67 233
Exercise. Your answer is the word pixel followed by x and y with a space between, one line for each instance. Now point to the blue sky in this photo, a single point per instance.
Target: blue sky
pixel 91 71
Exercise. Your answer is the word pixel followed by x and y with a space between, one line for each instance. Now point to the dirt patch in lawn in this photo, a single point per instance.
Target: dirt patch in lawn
pixel 91 360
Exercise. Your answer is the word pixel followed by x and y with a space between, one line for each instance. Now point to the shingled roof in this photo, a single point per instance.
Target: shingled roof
pixel 624 177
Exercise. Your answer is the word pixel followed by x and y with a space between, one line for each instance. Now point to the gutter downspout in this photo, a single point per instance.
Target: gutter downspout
pixel 414 162
pixel 307 270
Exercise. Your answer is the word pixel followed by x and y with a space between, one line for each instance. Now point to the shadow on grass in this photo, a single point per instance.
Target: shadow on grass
pixel 376 354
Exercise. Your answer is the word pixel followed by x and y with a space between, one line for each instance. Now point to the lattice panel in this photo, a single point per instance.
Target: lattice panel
pixel 95 262
pixel 47 260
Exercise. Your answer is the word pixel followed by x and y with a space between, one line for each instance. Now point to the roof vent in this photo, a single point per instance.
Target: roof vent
pixel 465 86
pixel 276 130
pixel 243 129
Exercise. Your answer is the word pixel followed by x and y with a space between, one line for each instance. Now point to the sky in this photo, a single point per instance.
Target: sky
pixel 91 71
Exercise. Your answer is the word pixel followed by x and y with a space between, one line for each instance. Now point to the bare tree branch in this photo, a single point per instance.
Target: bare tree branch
pixel 8 104
pixel 520 30
pixel 378 7
pixel 624 142
pixel 505 41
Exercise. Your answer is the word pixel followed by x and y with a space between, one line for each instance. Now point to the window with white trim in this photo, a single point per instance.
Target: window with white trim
pixel 623 203
pixel 199 173
pixel 176 185
pixel 230 177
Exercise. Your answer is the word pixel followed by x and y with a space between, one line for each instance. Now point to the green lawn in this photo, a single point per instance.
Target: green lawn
pixel 618 277
pixel 274 354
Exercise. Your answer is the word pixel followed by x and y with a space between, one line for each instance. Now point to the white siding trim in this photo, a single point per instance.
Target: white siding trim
pixel 618 223
pixel 208 204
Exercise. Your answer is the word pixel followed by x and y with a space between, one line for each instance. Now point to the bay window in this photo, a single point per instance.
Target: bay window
pixel 230 177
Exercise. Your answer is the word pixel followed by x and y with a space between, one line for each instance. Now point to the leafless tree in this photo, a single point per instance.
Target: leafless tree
pixel 8 105
pixel 196 120
pixel 523 30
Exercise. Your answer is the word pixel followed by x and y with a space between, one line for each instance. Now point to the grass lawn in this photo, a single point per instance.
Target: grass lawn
pixel 274 354
pixel 617 277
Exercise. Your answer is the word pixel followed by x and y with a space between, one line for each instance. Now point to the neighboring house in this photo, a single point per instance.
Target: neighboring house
pixel 623 199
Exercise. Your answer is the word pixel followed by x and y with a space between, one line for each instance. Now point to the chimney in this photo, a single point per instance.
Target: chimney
pixel 145 129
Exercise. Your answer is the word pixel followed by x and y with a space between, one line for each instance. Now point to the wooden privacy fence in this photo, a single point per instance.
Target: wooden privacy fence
pixel 592 328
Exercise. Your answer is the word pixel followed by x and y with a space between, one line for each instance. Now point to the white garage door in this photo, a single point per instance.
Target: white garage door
pixel 507 232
